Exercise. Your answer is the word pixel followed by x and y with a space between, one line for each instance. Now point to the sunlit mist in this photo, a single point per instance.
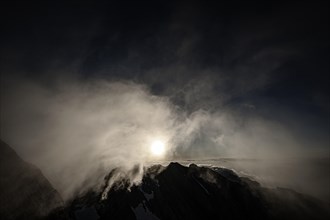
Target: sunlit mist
pixel 157 148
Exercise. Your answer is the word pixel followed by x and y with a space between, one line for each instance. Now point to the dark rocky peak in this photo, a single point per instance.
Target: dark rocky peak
pixel 165 192
pixel 24 192
pixel 194 192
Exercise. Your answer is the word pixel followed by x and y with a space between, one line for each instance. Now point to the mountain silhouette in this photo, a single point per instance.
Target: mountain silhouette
pixel 25 193
pixel 170 192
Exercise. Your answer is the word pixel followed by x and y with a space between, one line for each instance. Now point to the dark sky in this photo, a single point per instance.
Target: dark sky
pixel 265 58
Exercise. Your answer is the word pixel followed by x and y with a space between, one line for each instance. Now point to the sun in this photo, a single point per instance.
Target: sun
pixel 157 148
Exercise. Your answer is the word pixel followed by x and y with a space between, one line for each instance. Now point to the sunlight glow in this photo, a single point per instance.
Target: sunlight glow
pixel 157 148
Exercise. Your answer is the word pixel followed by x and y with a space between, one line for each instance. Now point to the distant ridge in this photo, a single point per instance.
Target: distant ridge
pixel 24 192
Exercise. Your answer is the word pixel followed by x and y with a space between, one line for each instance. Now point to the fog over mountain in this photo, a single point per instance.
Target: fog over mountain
pixel 163 192
pixel 90 86
pixel 78 130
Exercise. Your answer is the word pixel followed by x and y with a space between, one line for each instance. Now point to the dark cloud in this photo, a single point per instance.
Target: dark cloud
pixel 238 78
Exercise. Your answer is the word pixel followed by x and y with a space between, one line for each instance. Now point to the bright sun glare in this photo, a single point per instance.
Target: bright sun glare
pixel 157 148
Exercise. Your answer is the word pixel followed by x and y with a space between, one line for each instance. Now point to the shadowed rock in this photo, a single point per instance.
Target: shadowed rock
pixel 171 193
pixel 24 192
pixel 179 192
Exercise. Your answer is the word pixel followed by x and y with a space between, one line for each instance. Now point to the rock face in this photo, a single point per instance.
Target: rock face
pixel 174 192
pixel 178 192
pixel 24 192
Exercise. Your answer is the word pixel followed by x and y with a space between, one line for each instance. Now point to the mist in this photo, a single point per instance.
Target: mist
pixel 77 131
pixel 111 99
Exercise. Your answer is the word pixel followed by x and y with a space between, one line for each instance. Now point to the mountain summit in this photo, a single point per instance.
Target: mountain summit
pixel 165 192
pixel 179 192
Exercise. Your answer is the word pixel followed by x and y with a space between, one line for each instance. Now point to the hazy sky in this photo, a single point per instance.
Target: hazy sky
pixel 102 79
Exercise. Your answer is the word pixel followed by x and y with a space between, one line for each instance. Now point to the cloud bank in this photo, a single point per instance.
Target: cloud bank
pixel 77 131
